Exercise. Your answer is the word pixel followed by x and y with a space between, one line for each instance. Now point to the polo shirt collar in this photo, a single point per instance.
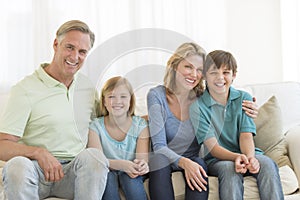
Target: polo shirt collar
pixel 47 79
pixel 209 101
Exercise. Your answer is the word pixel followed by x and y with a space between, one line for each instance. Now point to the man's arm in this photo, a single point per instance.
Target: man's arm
pixel 9 148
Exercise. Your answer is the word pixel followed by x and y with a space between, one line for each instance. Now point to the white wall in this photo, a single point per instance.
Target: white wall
pixel 254 36
pixel 250 29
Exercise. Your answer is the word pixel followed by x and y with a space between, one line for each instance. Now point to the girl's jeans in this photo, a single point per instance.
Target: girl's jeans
pixel 133 188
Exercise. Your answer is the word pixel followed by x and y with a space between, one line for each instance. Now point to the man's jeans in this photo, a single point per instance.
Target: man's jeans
pixel 84 178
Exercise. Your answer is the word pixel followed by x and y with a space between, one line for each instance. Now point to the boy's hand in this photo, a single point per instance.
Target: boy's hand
pixel 241 163
pixel 253 165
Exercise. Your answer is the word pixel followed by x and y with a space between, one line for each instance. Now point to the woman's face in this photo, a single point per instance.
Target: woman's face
pixel 189 72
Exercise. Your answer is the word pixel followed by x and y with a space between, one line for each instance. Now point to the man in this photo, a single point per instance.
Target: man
pixel 44 129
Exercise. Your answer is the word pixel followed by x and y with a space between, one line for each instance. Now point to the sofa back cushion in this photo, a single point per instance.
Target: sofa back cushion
pixel 288 96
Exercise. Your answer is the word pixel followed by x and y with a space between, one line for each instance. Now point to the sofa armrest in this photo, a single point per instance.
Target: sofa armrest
pixel 293 139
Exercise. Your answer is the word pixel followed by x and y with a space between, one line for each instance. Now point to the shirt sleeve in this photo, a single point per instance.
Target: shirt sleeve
pixel 247 123
pixel 16 114
pixel 157 117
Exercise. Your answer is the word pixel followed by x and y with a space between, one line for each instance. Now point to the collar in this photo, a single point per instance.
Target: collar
pixel 209 101
pixel 47 79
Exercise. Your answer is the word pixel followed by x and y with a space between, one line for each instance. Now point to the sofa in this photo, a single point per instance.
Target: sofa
pixel 278 134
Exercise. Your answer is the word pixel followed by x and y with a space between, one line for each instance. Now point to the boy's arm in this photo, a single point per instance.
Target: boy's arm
pixel 248 148
pixel 241 161
pixel 218 151
pixel 247 144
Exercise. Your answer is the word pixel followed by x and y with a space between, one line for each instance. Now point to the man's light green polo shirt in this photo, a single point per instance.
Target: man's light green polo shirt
pixel 44 113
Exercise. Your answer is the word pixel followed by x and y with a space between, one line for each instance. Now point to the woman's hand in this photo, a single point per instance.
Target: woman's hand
pixel 193 174
pixel 250 107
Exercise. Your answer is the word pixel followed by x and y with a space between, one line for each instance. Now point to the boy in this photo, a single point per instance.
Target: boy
pixel 227 132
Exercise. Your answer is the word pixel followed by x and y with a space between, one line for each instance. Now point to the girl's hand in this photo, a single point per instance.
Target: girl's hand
pixel 132 175
pixel 251 108
pixel 129 167
pixel 143 166
pixel 193 174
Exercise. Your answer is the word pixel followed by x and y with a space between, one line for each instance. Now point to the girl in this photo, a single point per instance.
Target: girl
pixel 124 138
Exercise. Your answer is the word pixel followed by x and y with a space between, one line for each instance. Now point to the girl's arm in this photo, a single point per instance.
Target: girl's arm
pixel 94 140
pixel 142 153
pixel 143 145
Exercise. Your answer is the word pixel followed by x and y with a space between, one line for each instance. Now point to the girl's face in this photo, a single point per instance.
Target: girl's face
pixel 219 80
pixel 189 72
pixel 117 102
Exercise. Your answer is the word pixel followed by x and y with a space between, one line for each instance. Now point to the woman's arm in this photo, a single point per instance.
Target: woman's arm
pixel 157 125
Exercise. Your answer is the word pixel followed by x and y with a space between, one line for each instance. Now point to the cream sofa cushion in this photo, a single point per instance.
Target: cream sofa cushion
pixel 269 136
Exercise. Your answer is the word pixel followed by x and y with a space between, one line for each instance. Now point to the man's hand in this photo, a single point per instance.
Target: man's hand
pixel 52 168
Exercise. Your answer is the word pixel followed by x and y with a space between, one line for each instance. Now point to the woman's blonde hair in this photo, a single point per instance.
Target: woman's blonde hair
pixel 109 86
pixel 183 51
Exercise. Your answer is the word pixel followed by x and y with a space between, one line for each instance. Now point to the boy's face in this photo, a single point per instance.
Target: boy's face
pixel 219 80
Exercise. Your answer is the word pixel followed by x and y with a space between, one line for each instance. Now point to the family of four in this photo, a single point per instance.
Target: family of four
pixel 60 139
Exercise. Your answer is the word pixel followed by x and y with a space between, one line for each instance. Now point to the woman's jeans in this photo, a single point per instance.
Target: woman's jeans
pixel 133 188
pixel 160 179
pixel 84 178
pixel 231 183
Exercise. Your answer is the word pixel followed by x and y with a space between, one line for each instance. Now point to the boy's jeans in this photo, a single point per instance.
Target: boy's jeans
pixel 231 183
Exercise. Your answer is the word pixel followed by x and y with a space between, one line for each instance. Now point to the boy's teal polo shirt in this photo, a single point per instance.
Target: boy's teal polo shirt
pixel 211 119
pixel 44 113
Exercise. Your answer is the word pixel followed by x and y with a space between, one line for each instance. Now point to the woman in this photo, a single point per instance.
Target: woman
pixel 174 144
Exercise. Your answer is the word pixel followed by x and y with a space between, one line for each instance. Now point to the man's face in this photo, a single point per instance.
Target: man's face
pixel 70 52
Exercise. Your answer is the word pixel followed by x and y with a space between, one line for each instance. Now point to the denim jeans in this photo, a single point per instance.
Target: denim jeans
pixel 84 178
pixel 160 179
pixel 231 183
pixel 133 188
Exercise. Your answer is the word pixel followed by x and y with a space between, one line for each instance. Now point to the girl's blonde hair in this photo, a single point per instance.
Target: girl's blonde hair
pixel 183 51
pixel 109 86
